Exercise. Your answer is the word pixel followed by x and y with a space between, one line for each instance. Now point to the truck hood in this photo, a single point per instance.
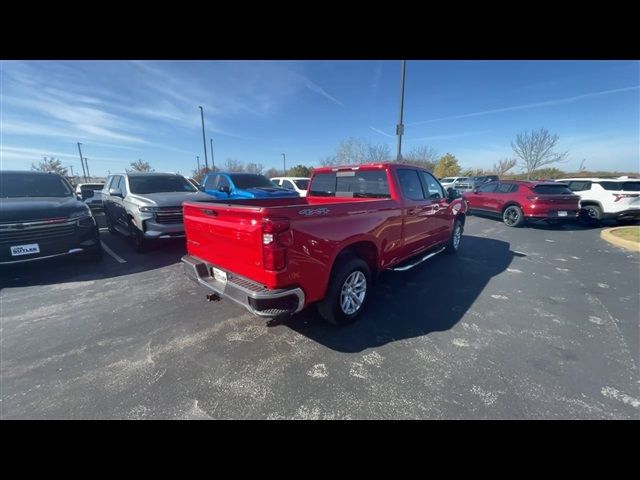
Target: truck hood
pixel 167 199
pixel 27 209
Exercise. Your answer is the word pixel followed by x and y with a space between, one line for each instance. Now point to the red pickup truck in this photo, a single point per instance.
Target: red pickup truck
pixel 277 256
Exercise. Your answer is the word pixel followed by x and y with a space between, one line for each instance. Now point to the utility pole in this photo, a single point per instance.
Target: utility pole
pixel 86 161
pixel 198 160
pixel 204 141
pixel 284 160
pixel 400 126
pixel 84 174
pixel 213 162
pixel 71 166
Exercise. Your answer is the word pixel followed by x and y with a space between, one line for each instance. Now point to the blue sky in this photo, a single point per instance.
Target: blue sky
pixel 255 110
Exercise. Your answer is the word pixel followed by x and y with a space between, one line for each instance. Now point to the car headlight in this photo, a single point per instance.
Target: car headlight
pixel 149 209
pixel 80 214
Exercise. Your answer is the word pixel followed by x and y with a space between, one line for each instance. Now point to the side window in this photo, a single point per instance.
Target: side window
pixel 505 188
pixel 579 186
pixel 287 184
pixel 117 182
pixel 210 182
pixel 410 184
pixel 223 181
pixel 107 184
pixel 434 189
pixel 488 187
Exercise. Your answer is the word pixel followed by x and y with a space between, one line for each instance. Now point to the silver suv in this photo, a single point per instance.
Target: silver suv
pixel 147 206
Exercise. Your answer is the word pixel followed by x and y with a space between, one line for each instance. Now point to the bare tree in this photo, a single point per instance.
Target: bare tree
pixel 233 165
pixel 272 172
pixel 504 165
pixel 254 168
pixel 140 166
pixel 50 165
pixel 379 153
pixel 426 157
pixel 536 149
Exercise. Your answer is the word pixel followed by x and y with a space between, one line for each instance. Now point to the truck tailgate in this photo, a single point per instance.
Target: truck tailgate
pixel 227 236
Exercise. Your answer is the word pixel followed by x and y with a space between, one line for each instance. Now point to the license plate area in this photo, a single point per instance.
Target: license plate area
pixel 28 249
pixel 562 213
pixel 219 275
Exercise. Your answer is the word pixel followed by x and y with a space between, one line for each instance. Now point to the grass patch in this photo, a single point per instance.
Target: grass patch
pixel 628 233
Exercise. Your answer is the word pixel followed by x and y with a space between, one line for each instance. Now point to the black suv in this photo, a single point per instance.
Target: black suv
pixel 41 217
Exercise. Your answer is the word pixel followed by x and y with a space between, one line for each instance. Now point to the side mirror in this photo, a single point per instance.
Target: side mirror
pixel 475 190
pixel 116 192
pixel 87 194
pixel 452 193
pixel 225 189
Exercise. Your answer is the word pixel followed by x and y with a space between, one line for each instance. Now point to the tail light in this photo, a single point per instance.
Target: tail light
pixel 276 237
pixel 532 198
pixel 623 195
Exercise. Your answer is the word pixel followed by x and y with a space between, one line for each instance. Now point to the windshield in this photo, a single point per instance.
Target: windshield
pixel 33 185
pixel 159 183
pixel 301 184
pixel 250 181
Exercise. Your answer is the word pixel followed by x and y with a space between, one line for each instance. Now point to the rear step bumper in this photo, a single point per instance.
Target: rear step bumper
pixel 252 296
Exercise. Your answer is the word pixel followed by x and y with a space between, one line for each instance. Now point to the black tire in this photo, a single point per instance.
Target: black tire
pixel 512 216
pixel 107 220
pixel 453 245
pixel 591 215
pixel 136 237
pixel 331 308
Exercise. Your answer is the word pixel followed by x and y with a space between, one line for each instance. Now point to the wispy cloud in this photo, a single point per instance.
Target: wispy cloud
pixel 381 132
pixel 377 76
pixel 526 106
pixel 314 87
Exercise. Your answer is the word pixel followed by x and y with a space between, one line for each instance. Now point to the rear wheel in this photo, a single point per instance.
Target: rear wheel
pixel 347 293
pixel 591 215
pixel 513 216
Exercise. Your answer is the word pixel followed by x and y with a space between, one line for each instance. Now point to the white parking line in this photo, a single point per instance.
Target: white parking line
pixel 112 253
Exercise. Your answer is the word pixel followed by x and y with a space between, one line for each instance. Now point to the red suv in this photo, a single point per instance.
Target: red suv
pixel 516 201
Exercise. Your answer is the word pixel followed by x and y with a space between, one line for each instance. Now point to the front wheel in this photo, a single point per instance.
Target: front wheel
pixel 456 236
pixel 347 293
pixel 513 216
pixel 137 238
pixel 107 220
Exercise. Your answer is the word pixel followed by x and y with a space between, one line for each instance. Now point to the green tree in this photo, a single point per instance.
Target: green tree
pixel 50 165
pixel 300 171
pixel 447 166
pixel 536 149
pixel 140 166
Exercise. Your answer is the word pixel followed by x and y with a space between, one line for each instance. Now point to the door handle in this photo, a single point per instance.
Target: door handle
pixel 436 207
pixel 413 211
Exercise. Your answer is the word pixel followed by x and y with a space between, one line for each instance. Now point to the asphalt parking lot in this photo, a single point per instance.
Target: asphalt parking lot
pixel 532 323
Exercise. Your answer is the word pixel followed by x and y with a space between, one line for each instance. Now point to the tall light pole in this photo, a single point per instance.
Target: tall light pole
pixel 84 174
pixel 213 162
pixel 400 126
pixel 86 162
pixel 204 141
pixel 198 160
pixel 284 162
pixel 71 166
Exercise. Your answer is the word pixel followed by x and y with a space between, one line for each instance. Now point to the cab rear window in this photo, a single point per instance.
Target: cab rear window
pixel 351 183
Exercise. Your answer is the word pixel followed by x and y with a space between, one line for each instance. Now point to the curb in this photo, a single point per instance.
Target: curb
pixel 619 242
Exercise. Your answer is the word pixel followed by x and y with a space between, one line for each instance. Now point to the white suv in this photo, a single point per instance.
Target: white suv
pixel 298 184
pixel 607 198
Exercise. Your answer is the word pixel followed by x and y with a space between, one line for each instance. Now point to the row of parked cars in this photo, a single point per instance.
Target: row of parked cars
pixel 259 243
